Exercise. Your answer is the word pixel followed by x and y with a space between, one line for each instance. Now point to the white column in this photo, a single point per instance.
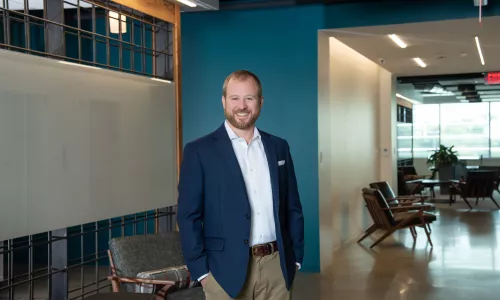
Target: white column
pixel 387 128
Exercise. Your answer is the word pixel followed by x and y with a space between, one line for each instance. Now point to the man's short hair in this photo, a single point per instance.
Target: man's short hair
pixel 242 75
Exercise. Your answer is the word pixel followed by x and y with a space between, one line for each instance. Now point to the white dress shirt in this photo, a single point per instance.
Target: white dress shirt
pixel 255 169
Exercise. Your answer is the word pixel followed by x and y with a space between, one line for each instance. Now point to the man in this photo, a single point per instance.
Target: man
pixel 239 213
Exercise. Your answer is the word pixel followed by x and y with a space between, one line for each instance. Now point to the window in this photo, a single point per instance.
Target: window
pixel 495 129
pixel 466 126
pixel 404 134
pixel 473 128
pixel 425 129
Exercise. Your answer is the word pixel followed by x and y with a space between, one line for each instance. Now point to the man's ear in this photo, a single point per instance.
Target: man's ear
pixel 223 102
pixel 261 101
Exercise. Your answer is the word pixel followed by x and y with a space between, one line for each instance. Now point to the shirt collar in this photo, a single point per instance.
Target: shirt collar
pixel 233 135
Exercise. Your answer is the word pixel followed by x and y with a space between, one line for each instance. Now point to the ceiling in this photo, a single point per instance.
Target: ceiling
pixel 453 88
pixel 447 47
pixel 454 71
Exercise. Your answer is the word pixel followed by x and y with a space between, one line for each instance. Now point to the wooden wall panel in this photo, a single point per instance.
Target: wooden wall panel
pixel 156 8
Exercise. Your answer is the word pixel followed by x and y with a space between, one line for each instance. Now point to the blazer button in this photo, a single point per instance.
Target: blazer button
pixel 247 216
pixel 245 241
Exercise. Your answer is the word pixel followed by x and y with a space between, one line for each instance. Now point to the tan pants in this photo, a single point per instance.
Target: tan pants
pixel 265 281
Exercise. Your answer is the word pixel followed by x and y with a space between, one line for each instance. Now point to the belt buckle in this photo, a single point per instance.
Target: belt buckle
pixel 253 252
pixel 268 246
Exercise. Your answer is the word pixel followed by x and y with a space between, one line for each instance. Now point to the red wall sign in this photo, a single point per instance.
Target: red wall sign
pixel 492 78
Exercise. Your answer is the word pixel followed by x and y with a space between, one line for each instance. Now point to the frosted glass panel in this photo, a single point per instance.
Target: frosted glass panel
pixel 81 145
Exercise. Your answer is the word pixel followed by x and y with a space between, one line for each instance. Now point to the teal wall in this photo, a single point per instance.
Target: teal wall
pixel 280 46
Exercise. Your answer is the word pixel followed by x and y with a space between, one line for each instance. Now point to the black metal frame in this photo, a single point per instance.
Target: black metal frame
pixel 159 56
pixel 60 268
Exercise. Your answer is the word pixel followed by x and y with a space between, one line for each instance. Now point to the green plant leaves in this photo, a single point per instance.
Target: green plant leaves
pixel 443 156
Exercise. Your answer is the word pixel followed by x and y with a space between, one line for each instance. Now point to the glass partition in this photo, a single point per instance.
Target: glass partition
pixel 425 129
pixel 466 126
pixel 495 129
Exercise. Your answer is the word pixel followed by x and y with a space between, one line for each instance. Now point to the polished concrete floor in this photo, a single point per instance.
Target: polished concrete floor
pixel 463 264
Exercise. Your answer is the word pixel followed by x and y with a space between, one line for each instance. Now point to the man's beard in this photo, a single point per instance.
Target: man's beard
pixel 231 117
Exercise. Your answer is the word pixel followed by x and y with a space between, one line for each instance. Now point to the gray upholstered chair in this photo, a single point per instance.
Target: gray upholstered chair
pixel 129 256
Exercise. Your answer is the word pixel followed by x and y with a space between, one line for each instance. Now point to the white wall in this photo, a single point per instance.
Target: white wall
pixel 356 123
pixel 81 145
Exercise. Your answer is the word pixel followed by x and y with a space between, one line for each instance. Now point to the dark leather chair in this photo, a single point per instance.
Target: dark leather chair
pixel 497 175
pixel 384 217
pixel 393 200
pixel 479 184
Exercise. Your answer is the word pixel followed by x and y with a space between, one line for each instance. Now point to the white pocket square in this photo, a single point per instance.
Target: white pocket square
pixel 281 162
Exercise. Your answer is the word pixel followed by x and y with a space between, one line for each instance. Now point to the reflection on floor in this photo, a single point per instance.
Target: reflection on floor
pixel 463 264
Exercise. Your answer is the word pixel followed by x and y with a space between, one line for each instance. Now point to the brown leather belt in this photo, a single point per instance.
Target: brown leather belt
pixel 263 249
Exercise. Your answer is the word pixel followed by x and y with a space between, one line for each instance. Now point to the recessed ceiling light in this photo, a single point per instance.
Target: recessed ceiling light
pixel 397 41
pixel 420 62
pixel 188 3
pixel 479 50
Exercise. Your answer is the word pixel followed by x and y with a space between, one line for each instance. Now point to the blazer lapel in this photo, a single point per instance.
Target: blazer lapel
pixel 272 160
pixel 226 150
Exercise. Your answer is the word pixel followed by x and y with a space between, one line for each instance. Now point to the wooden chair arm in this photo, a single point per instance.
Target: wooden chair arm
pixel 406 200
pixel 400 208
pixel 408 203
pixel 409 207
pixel 402 197
pixel 140 280
pixel 411 197
pixel 421 206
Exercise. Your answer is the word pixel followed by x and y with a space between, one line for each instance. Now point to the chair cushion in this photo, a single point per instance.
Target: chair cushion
pixel 138 253
pixel 401 216
pixel 384 188
pixel 382 203
pixel 180 275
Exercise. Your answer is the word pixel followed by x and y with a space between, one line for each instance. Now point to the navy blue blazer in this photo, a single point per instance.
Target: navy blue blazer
pixel 214 210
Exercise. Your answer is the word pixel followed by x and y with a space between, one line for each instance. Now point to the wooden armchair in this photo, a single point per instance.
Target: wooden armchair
pixel 410 173
pixel 393 200
pixel 133 255
pixel 479 184
pixel 384 218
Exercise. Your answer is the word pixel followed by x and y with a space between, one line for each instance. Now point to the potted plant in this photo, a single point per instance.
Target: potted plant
pixel 444 160
pixel 444 156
